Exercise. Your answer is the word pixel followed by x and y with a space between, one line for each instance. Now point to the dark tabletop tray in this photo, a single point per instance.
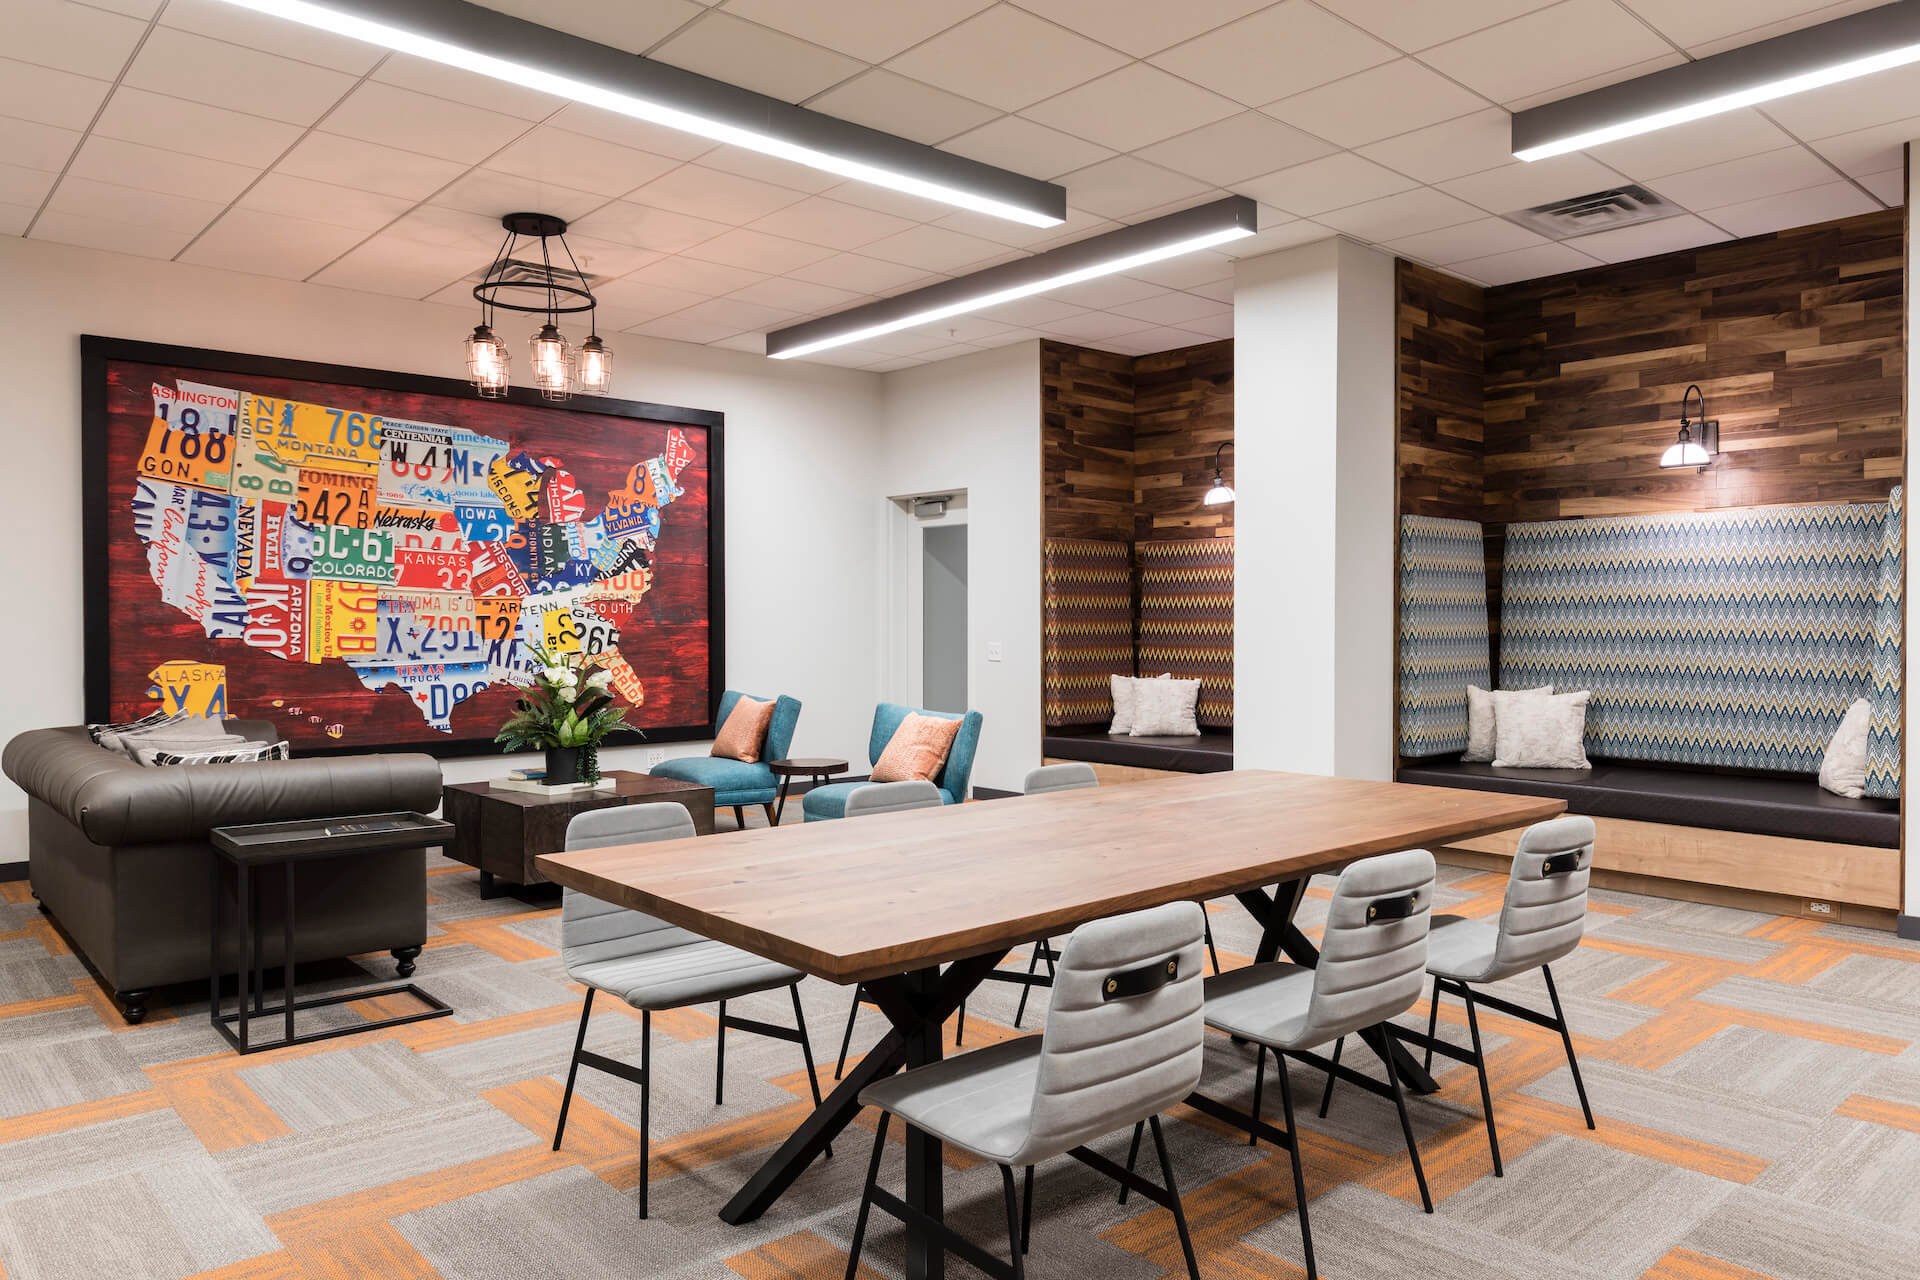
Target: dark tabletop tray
pixel 328 837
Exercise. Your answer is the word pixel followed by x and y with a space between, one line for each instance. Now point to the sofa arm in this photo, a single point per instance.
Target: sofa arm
pixel 115 801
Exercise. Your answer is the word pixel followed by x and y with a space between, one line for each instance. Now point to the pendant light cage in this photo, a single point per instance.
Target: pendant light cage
pixel 534 284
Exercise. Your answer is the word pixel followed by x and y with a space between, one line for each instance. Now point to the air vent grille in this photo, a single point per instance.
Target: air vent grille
pixel 1600 211
pixel 520 274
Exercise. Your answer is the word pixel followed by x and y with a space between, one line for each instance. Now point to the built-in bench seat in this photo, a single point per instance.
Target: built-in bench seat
pixel 1209 751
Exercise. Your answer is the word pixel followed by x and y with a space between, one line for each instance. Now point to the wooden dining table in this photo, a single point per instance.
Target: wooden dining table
pixel 920 905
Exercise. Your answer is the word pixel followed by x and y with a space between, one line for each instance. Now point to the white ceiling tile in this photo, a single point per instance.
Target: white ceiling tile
pixel 1219 290
pixel 1736 181
pixel 26 187
pixel 1215 326
pixel 656 229
pixel 246 29
pixel 758 251
pixel 89 198
pixel 1038 311
pixel 145 239
pixel 1423 25
pixel 1242 146
pixel 932 249
pixel 574 160
pixel 396 117
pixel 1283 50
pixel 132 8
pixel 1102 294
pixel 1405 214
pixel 675 329
pixel 1618 75
pixel 1148 342
pixel 72 37
pixel 755 57
pixel 819 220
pixel 475 90
pixel 1286 235
pixel 400 267
pixel 325 157
pixel 709 193
pixel 1025 147
pixel 1007 58
pixel 797 296
pixel 189 66
pixel 1171 307
pixel 174 124
pixel 1871 150
pixel 641 135
pixel 705 279
pixel 295 197
pixel 490 192
pixel 886 200
pixel 270 244
pixel 867 275
pixel 1478 239
pixel 1470 144
pixel 1546 49
pixel 1079 225
pixel 751 343
pixel 1002 337
pixel 1526 264
pixel 1141 27
pixel 1133 107
pixel 1693 145
pixel 1649 238
pixel 473 235
pixel 765 168
pixel 1332 182
pixel 1889 186
pixel 735 315
pixel 1695 22
pixel 131 165
pixel 1520 185
pixel 1853 104
pixel 1806 15
pixel 608 258
pixel 633 25
pixel 906 108
pixel 1188 271
pixel 35 146
pixel 46 96
pixel 1123 186
pixel 924 340
pixel 643 300
pixel 871 30
pixel 1793 209
pixel 1392 98
pixel 1090 326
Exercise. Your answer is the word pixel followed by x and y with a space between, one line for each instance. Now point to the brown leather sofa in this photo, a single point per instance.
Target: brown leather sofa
pixel 118 854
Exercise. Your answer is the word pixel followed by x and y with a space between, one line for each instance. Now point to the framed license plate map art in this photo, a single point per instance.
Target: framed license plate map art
pixel 370 560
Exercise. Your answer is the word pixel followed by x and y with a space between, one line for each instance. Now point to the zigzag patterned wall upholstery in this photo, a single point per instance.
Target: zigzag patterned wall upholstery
pixel 1734 638
pixel 1086 627
pixel 1443 631
pixel 1883 742
pixel 1186 619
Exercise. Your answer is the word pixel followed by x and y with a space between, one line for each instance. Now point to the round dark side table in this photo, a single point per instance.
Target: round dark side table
pixel 818 768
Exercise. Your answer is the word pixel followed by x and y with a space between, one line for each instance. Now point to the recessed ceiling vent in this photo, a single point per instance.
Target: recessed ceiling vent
pixel 530 278
pixel 1600 211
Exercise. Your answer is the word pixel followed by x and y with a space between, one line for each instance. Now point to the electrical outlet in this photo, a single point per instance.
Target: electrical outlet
pixel 655 756
pixel 994 651
pixel 1820 908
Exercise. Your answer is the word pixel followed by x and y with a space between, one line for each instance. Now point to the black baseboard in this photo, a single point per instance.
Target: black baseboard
pixel 992 793
pixel 1908 927
pixel 10 871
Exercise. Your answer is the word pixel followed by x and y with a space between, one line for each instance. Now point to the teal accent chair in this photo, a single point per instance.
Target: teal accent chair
pixel 737 784
pixel 824 803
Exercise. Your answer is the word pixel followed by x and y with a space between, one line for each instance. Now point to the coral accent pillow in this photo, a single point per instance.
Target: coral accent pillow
pixel 918 750
pixel 745 732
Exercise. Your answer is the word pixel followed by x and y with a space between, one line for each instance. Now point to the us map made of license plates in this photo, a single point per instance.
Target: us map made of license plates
pixel 418 555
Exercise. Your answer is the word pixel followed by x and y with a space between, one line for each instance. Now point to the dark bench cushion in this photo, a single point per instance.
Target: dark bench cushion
pixel 1208 752
pixel 1792 807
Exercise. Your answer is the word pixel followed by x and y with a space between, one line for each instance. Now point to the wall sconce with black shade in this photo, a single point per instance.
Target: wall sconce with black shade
pixel 1221 492
pixel 1699 440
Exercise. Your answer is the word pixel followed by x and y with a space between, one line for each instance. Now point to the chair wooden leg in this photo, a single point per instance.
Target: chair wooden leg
pixel 771 821
pixel 720 1059
pixel 573 1069
pixel 1259 1084
pixel 1406 1124
pixel 740 817
pixel 1326 1099
pixel 646 1102
pixel 1566 1038
pixel 1173 1195
pixel 1486 1094
pixel 866 1197
pixel 846 1040
pixel 1014 1246
pixel 1299 1177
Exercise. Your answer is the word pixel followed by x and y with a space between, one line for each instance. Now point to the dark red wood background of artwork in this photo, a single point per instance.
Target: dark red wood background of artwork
pixel 668 644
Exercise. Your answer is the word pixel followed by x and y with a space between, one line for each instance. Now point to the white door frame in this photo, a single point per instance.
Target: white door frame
pixel 905 680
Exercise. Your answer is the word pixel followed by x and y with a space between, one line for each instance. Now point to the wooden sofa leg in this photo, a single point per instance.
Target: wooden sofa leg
pixel 133 1005
pixel 740 817
pixel 769 811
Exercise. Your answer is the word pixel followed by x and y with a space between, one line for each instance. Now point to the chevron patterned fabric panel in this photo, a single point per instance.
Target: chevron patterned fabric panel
pixel 1087 627
pixel 1883 742
pixel 1443 631
pixel 1734 638
pixel 1186 619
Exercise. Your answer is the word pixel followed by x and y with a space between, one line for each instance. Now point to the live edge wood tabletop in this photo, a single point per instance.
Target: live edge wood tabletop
pixel 862 898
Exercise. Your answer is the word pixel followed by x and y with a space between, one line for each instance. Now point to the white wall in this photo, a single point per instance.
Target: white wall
pixel 1910 697
pixel 973 423
pixel 1314 510
pixel 802 475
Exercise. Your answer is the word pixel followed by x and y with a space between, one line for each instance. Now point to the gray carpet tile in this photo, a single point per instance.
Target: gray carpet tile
pixel 167 1221
pixel 39 1076
pixel 359 1082
pixel 560 1226
pixel 1855 1168
pixel 1705 1112
pixel 1802 1077
pixel 1789 1240
pixel 1862 1010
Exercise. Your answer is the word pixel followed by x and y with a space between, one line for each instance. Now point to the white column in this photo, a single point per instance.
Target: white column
pixel 1314 511
pixel 1910 912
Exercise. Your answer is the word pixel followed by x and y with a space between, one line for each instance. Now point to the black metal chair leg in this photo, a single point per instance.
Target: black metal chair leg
pixel 720 1060
pixel 573 1069
pixel 1486 1094
pixel 646 1103
pixel 1260 1083
pixel 866 1197
pixel 1433 1023
pixel 806 1050
pixel 1133 1156
pixel 1326 1099
pixel 960 1025
pixel 1406 1125
pixel 1026 1212
pixel 846 1040
pixel 1014 1234
pixel 1173 1196
pixel 1033 963
pixel 1566 1038
pixel 1299 1177
pixel 1211 953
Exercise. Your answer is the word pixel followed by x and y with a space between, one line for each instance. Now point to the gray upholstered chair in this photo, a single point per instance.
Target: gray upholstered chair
pixel 1372 958
pixel 1541 921
pixel 865 801
pixel 655 966
pixel 1121 1045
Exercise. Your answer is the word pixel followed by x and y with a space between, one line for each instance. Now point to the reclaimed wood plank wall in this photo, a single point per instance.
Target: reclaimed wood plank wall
pixel 1441 394
pixel 1086 415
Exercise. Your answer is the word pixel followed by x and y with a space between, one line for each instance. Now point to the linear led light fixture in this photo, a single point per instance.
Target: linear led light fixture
pixel 1844 49
pixel 504 47
pixel 1168 237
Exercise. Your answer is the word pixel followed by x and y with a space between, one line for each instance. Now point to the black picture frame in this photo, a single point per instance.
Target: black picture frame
pixel 97 351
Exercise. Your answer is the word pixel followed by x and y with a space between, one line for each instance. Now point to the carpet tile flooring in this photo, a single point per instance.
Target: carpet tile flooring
pixel 1756 1081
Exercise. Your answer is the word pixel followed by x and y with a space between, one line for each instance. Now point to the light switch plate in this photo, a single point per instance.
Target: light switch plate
pixel 994 651
pixel 655 756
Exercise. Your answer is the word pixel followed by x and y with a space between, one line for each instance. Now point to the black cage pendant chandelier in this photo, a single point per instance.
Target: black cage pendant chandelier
pixel 520 280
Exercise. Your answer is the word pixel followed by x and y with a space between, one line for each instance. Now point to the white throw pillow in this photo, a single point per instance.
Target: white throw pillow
pixel 1843 770
pixel 1165 707
pixel 1483 717
pixel 1543 732
pixel 1123 700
